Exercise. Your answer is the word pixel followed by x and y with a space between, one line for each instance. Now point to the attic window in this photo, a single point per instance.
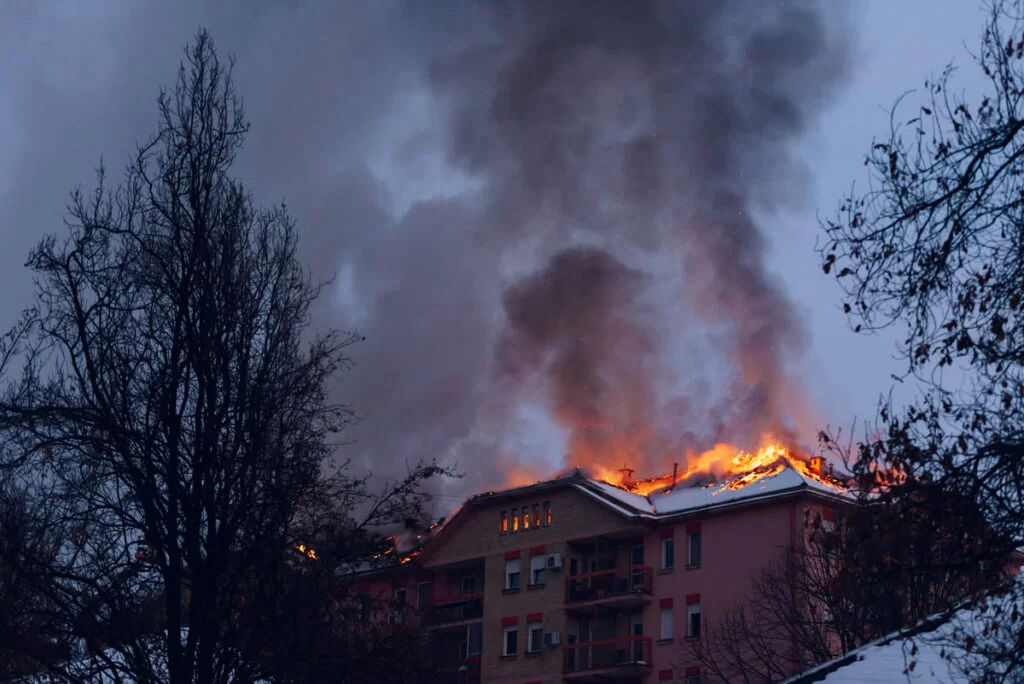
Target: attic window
pixel 547 513
pixel 515 520
pixel 536 515
pixel 526 517
pixel 504 522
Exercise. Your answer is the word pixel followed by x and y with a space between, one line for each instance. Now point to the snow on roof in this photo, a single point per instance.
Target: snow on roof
pixel 934 651
pixel 699 494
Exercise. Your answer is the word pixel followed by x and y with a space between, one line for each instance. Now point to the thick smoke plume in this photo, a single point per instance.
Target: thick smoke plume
pixel 532 208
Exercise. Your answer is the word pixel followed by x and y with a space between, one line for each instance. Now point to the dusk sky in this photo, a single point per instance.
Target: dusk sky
pixel 345 130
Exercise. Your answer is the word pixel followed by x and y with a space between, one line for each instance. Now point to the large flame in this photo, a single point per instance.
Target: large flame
pixel 725 461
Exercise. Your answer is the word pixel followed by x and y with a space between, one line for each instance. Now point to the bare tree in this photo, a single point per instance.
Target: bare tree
pixel 170 407
pixel 934 246
pixel 870 570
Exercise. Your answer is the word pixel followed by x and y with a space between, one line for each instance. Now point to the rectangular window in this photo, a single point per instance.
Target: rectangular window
pixel 536 637
pixel 547 513
pixel 512 573
pixel 694 543
pixel 422 595
pixel 468 584
pixel 400 596
pixel 666 623
pixel 510 647
pixel 536 515
pixel 537 565
pixel 515 519
pixel 526 517
pixel 504 522
pixel 693 620
pixel 668 554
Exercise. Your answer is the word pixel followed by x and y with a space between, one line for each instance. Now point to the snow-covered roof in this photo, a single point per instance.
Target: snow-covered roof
pixel 936 651
pixel 704 493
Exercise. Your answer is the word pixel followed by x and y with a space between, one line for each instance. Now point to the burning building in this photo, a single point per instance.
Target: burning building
pixel 597 576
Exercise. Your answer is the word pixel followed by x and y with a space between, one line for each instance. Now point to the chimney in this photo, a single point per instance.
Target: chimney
pixel 627 477
pixel 817 465
pixel 675 473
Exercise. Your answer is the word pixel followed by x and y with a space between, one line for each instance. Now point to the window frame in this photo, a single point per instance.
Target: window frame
pixel 690 537
pixel 525 524
pixel 546 520
pixel 531 628
pixel 504 522
pixel 506 631
pixel 400 596
pixel 668 558
pixel 538 563
pixel 509 574
pixel 668 612
pixel 515 520
pixel 693 611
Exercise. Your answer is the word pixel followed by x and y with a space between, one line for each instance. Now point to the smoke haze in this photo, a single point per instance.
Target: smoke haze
pixel 534 210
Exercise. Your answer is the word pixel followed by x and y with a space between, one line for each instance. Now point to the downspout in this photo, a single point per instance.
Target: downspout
pixel 794 651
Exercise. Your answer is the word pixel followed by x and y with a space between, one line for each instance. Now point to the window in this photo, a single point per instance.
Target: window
pixel 668 554
pixel 694 543
pixel 693 620
pixel 510 645
pixel 512 573
pixel 400 596
pixel 526 518
pixel 504 522
pixel 547 513
pixel 422 595
pixel 666 623
pixel 468 584
pixel 515 519
pixel 537 564
pixel 536 637
pixel 536 515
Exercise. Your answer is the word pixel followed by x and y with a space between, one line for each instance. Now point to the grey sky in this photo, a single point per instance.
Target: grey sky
pixel 345 129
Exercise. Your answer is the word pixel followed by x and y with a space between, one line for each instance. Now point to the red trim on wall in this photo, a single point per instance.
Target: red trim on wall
pixel 509 555
pixel 667 532
pixel 692 599
pixel 534 617
pixel 665 603
pixel 537 550
pixel 509 620
pixel 828 514
pixel 692 527
pixel 693 671
pixel 664 674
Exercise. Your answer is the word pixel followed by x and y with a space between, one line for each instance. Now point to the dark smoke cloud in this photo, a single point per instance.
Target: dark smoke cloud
pixel 444 159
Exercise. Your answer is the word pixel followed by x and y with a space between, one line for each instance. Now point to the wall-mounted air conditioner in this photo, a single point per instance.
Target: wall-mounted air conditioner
pixel 555 561
pixel 552 638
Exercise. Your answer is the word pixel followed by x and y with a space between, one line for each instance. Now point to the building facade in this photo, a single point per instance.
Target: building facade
pixel 577 580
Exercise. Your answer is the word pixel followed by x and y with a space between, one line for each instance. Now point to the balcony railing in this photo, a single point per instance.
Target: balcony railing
pixel 456 609
pixel 604 584
pixel 625 653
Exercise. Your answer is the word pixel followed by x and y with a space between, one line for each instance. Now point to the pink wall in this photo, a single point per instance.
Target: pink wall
pixel 736 544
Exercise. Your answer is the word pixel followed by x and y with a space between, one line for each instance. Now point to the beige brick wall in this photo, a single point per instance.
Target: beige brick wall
pixel 574 516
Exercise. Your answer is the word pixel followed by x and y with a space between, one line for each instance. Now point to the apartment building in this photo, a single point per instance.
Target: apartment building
pixel 577 580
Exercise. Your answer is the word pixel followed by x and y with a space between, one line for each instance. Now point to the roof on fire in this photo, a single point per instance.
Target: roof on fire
pixel 686 497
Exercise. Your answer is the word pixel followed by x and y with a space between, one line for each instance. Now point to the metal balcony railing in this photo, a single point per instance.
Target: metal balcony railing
pixel 590 586
pixel 631 652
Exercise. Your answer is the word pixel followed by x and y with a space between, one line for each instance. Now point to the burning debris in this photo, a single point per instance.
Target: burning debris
pixel 730 467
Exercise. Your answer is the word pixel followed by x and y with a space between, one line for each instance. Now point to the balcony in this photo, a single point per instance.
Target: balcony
pixel 456 610
pixel 626 587
pixel 619 658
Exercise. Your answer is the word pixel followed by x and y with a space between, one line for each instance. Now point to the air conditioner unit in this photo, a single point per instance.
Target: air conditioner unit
pixel 552 638
pixel 555 561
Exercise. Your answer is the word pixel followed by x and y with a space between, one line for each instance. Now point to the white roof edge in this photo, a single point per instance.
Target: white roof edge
pixel 803 486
